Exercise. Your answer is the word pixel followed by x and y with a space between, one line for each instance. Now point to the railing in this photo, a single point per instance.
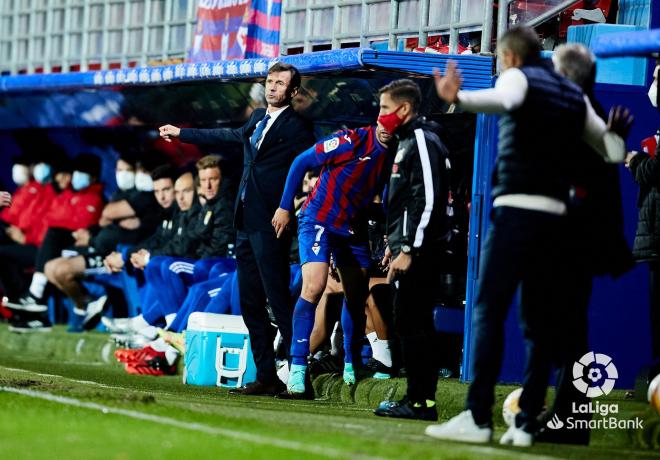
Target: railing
pixel 310 24
pixel 47 35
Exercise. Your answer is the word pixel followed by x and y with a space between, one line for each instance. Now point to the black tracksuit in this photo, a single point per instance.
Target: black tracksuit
pixel 210 231
pixel 646 172
pixel 179 244
pixel 416 216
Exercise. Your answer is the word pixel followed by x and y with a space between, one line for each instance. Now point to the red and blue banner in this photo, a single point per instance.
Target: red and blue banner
pixel 236 29
pixel 263 32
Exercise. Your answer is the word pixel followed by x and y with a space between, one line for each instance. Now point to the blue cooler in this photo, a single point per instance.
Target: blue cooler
pixel 218 351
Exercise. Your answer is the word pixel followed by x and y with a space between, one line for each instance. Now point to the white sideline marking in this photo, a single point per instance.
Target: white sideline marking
pixel 86 382
pixel 328 452
pixel 233 434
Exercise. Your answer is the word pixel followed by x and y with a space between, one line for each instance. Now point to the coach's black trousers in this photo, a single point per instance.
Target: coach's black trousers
pixel 263 273
pixel 523 250
pixel 413 299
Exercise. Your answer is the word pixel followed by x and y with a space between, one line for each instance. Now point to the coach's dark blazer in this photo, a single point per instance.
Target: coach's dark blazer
pixel 265 170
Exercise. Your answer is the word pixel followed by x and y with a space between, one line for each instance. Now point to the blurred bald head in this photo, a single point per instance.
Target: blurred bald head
pixel 184 191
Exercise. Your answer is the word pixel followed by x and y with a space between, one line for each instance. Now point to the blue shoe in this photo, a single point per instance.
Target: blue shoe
pixel 381 376
pixel 296 382
pixel 349 374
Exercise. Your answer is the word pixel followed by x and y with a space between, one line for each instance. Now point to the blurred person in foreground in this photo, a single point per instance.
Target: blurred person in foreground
pixel 544 119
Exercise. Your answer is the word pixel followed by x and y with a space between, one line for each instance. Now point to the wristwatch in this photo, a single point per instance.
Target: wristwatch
pixel 406 249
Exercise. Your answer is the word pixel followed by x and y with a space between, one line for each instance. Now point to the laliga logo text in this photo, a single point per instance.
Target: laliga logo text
pixel 594 375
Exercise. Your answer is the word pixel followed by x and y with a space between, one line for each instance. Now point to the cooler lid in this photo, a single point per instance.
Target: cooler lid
pixel 213 322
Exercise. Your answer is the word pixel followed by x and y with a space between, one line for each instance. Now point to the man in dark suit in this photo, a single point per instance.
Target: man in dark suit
pixel 271 139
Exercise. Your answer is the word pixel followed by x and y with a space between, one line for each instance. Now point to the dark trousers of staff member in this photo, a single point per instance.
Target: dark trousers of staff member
pixel 414 297
pixel 572 317
pixel 521 251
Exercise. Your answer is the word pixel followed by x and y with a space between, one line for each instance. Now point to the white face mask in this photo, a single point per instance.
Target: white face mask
pixel 20 174
pixel 125 180
pixel 653 94
pixel 143 182
pixel 41 172
pixel 80 180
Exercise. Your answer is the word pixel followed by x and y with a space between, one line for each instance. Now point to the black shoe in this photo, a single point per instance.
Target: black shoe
pixel 328 364
pixel 563 436
pixel 376 366
pixel 31 325
pixel 407 409
pixel 260 389
pixel 308 395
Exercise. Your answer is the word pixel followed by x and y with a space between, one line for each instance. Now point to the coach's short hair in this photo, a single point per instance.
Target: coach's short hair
pixel 209 161
pixel 284 67
pixel 523 41
pixel 574 61
pixel 404 90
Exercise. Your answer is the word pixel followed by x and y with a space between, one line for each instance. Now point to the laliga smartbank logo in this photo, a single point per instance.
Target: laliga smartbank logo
pixel 594 375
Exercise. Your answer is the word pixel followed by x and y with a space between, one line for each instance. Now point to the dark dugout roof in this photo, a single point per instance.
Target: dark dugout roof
pixel 337 86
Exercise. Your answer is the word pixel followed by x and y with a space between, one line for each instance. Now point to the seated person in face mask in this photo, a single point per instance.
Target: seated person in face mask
pixel 69 209
pixel 32 175
pixel 205 241
pixel 74 209
pixel 169 240
pixel 131 214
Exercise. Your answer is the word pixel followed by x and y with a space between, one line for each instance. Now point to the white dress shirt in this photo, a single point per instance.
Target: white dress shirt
pixel 273 116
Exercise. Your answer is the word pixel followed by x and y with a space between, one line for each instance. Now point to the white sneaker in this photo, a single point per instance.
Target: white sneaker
pixel 283 371
pixel 461 428
pixel 117 325
pixel 130 340
pixel 517 437
pixel 94 312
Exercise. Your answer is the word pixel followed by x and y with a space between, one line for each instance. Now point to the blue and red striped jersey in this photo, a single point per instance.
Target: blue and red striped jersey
pixel 355 168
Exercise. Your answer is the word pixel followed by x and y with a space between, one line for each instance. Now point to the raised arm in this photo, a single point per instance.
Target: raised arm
pixel 508 94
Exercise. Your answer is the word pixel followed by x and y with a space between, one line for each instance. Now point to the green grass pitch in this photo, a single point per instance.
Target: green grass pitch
pixel 58 399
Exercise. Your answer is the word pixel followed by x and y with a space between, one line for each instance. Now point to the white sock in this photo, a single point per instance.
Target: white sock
pixel 38 285
pixel 138 323
pixel 336 340
pixel 171 354
pixel 380 348
pixel 159 345
pixel 168 319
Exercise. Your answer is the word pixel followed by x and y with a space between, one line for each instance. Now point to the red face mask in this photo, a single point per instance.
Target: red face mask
pixel 391 121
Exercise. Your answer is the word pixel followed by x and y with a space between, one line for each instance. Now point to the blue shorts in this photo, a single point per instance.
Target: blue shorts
pixel 316 243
